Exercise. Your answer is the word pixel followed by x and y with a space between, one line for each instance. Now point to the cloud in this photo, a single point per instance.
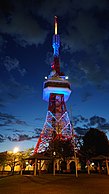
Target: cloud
pixel 2 139
pixel 84 4
pixel 8 120
pixel 37 131
pixel 84 32
pixel 19 122
pixel 21 25
pixel 86 38
pixel 83 124
pixel 97 120
pixel 21 137
pixel 11 90
pixel 85 35
pixel 48 9
pixel 13 64
pixel 79 120
pixel 5 116
pixel 81 131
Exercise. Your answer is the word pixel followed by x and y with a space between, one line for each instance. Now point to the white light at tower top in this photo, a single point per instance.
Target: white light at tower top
pixel 55 25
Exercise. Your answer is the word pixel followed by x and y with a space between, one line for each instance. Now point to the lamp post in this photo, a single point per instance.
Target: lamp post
pixel 75 159
pixel 75 149
pixel 54 154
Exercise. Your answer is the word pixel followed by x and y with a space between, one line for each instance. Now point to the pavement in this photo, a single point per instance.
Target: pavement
pixel 58 184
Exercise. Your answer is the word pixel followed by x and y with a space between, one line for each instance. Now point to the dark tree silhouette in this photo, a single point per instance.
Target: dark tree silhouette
pixel 62 149
pixel 3 159
pixel 95 143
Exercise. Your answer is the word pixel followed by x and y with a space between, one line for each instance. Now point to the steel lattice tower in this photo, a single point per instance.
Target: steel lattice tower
pixel 56 91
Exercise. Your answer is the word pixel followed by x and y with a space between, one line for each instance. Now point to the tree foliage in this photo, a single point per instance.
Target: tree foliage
pixel 95 143
pixel 60 149
pixel 3 159
pixel 14 159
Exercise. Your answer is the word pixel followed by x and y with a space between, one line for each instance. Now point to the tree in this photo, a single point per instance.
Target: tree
pixel 3 159
pixel 95 143
pixel 60 149
pixel 12 160
pixel 23 156
pixel 19 158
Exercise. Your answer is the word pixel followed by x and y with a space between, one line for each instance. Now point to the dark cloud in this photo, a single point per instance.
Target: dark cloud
pixel 91 63
pixel 97 120
pixel 82 124
pixel 5 116
pixel 11 90
pixel 48 9
pixel 81 131
pixel 79 119
pixel 17 130
pixel 84 30
pixel 8 120
pixel 21 137
pixel 37 131
pixel 13 64
pixel 19 122
pixel 21 24
pixel 2 139
pixel 84 4
pixel 85 25
pixel 105 127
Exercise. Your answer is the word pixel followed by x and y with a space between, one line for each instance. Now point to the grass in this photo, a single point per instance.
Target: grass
pixel 58 184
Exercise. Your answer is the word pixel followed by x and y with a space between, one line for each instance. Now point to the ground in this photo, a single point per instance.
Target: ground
pixel 58 184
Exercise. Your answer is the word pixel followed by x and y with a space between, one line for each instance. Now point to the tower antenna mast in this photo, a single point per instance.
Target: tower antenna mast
pixel 55 25
pixel 56 45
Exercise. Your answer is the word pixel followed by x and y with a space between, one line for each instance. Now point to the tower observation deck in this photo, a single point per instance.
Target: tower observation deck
pixel 56 91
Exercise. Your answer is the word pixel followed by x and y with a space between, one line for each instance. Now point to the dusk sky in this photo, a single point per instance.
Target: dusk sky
pixel 26 54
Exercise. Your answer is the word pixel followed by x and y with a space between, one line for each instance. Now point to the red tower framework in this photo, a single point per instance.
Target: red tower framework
pixel 56 91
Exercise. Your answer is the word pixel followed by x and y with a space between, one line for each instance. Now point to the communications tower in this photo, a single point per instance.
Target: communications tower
pixel 56 91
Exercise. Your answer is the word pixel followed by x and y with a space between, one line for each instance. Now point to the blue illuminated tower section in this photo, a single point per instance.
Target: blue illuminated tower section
pixel 56 91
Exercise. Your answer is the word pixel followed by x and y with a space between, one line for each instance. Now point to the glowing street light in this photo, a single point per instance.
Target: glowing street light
pixel 15 150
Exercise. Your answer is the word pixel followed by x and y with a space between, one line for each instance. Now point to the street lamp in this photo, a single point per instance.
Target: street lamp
pixel 54 154
pixel 75 159
pixel 15 150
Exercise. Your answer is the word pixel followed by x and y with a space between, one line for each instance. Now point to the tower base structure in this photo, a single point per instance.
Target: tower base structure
pixel 57 124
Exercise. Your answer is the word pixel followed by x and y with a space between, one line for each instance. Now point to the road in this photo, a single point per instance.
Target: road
pixel 58 184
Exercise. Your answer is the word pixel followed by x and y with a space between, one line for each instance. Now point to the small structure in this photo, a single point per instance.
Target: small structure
pixel 104 159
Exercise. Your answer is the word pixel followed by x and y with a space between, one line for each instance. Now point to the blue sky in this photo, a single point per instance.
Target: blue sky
pixel 26 30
